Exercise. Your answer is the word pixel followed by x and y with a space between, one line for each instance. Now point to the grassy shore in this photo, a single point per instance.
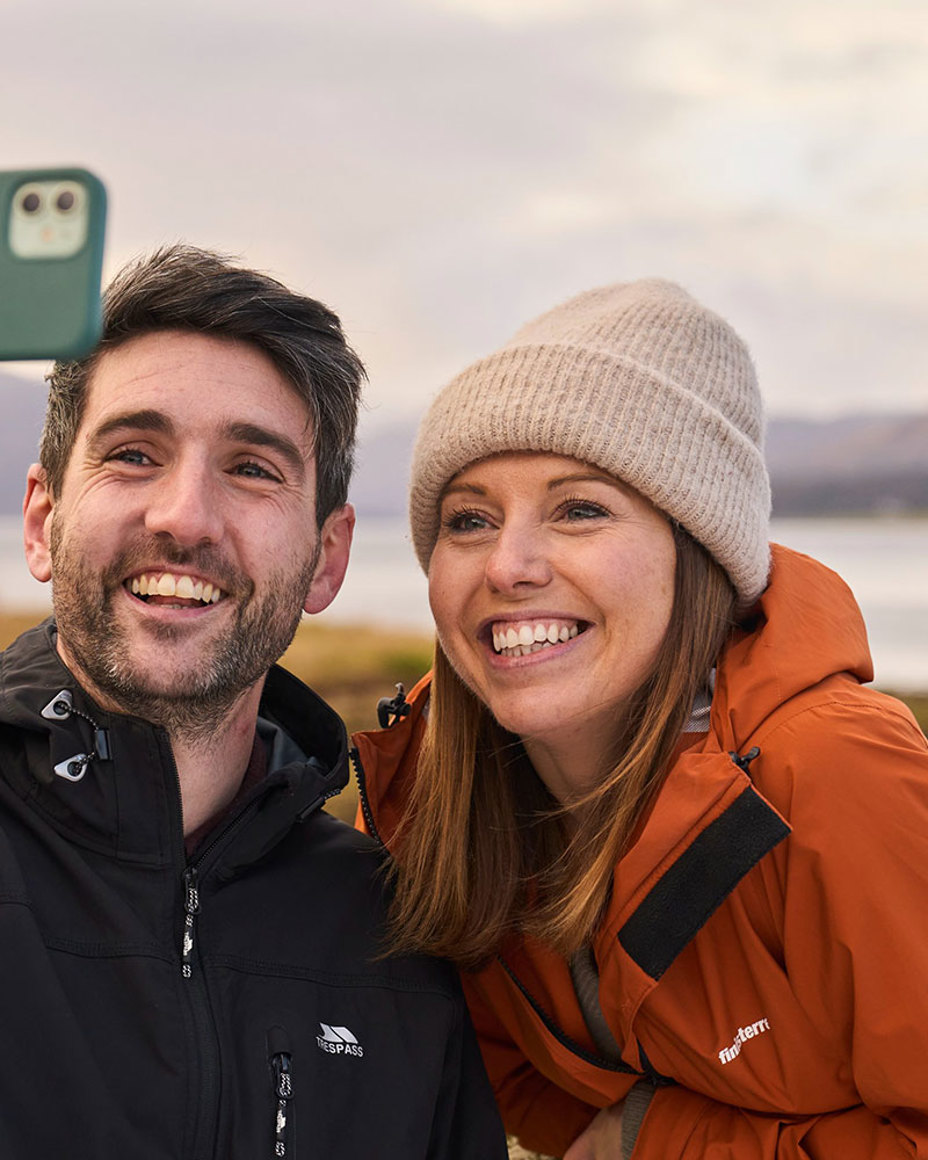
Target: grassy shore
pixel 352 667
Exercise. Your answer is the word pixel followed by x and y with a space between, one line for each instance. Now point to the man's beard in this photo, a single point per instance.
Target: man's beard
pixel 200 695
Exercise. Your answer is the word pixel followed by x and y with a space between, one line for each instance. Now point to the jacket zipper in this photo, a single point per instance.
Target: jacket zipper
pixel 191 910
pixel 208 1063
pixel 208 1059
pixel 192 900
pixel 205 1047
pixel 561 1036
pixel 366 811
pixel 281 1062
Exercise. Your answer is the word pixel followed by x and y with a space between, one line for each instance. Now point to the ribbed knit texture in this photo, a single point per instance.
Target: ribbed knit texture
pixel 637 378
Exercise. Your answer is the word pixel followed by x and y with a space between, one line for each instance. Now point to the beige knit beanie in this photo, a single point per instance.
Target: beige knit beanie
pixel 638 379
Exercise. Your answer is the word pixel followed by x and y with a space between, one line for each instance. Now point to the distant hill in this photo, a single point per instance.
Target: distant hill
pixel 857 464
pixel 870 464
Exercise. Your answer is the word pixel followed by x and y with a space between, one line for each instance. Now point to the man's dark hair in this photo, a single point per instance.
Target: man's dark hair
pixel 181 287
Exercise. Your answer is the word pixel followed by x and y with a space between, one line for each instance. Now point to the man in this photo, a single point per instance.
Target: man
pixel 190 949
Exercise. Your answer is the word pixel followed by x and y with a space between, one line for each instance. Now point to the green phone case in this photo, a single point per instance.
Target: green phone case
pixel 50 306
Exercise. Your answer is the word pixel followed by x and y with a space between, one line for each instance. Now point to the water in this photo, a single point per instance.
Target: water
pixel 884 561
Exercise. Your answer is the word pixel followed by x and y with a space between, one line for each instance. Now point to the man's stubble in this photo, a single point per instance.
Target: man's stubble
pixel 197 701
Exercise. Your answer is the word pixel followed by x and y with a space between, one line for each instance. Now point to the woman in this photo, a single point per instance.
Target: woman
pixel 645 802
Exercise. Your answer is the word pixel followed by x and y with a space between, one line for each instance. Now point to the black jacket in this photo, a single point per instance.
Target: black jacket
pixel 234 1007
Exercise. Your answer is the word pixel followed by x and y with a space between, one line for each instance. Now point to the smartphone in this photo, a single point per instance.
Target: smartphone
pixel 52 224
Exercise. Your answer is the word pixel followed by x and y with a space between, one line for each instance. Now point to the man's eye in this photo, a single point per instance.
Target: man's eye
pixel 251 470
pixel 130 455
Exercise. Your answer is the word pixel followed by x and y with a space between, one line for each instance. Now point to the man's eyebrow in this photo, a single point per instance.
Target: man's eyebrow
pixel 149 420
pixel 249 433
pixel 258 436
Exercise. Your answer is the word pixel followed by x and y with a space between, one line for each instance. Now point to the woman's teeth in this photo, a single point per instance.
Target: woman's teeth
pixel 183 586
pixel 518 640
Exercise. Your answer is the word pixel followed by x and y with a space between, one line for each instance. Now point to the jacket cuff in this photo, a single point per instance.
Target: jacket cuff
pixel 633 1112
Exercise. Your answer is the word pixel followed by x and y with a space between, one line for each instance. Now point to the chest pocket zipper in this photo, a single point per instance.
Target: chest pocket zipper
pixel 281 1062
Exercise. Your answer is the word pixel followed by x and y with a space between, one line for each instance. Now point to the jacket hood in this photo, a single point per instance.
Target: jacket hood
pixel 805 628
pixel 110 780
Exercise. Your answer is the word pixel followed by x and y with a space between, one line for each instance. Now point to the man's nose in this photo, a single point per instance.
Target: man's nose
pixel 184 505
pixel 518 561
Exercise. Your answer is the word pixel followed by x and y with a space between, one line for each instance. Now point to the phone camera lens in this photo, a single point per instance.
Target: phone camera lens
pixel 64 201
pixel 31 202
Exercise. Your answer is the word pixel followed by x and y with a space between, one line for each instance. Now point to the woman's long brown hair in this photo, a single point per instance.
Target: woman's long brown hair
pixel 485 851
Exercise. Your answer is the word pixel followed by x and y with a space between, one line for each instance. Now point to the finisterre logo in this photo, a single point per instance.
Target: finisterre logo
pixel 338 1041
pixel 742 1035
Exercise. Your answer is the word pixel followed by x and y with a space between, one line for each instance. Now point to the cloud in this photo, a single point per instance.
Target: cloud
pixel 440 171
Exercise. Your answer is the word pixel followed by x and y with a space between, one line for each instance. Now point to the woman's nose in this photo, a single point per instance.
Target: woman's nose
pixel 183 505
pixel 517 561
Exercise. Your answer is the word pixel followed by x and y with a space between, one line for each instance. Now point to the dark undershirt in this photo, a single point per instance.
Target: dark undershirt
pixel 255 773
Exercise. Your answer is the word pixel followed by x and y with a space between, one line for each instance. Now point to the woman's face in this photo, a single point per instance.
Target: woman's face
pixel 551 585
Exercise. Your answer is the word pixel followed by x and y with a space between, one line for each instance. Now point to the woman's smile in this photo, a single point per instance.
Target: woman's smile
pixel 529 634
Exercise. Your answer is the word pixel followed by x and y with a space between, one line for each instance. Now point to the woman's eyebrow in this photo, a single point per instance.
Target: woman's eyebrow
pixel 463 489
pixel 585 477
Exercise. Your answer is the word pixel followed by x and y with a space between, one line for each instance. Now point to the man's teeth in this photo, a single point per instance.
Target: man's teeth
pixel 531 636
pixel 184 586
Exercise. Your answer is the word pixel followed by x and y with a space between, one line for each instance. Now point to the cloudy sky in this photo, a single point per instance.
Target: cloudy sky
pixel 441 170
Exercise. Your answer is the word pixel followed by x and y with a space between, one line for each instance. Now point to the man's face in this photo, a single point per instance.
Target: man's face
pixel 183 546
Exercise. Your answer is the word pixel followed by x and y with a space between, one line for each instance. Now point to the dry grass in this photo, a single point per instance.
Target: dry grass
pixel 14 623
pixel 352 667
pixel 918 703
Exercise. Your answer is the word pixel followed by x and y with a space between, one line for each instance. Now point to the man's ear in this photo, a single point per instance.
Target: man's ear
pixel 37 518
pixel 334 549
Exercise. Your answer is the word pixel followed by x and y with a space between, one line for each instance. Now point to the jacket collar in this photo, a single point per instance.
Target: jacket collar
pixel 116 790
pixel 805 627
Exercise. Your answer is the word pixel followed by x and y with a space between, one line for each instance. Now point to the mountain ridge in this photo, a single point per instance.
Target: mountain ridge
pixel 855 464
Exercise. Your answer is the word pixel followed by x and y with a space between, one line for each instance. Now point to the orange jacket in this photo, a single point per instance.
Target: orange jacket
pixel 765 948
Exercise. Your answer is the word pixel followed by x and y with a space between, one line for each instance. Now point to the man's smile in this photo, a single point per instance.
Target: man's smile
pixel 182 588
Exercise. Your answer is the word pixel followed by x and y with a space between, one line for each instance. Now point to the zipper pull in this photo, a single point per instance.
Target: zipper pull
pixel 744 760
pixel 393 709
pixel 280 1059
pixel 283 1087
pixel 191 910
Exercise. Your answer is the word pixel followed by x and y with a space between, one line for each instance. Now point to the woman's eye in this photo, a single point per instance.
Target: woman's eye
pixel 578 510
pixel 465 521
